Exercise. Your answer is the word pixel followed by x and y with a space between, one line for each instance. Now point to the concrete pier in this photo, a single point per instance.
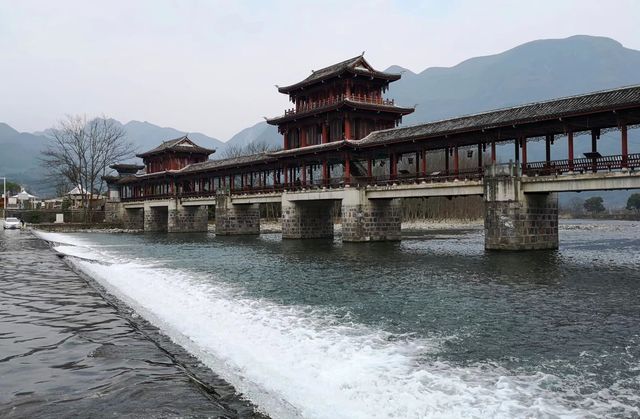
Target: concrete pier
pixel 236 219
pixel 365 219
pixel 132 218
pixel 155 217
pixel 515 220
pixel 306 219
pixel 187 219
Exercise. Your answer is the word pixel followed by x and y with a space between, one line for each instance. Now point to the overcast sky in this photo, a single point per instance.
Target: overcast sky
pixel 211 66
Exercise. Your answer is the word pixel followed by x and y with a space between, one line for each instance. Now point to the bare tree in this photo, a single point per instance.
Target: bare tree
pixel 233 150
pixel 80 152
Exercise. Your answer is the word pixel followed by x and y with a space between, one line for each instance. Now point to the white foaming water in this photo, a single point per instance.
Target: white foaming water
pixel 300 362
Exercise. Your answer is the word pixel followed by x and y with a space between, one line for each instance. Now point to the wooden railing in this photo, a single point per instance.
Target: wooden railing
pixel 319 104
pixel 582 165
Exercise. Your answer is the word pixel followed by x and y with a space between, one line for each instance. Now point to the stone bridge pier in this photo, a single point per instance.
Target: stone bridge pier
pixel 312 219
pixel 236 219
pixel 156 217
pixel 518 221
pixel 366 219
pixel 188 219
pixel 132 218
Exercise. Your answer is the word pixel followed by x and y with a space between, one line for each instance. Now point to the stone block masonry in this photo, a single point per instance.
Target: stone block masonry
pixel 236 219
pixel 187 219
pixel 155 218
pixel 366 220
pixel 518 221
pixel 307 219
pixel 133 218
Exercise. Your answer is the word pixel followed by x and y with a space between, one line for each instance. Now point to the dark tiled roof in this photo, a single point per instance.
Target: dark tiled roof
pixel 518 115
pixel 352 65
pixel 228 163
pixel 311 149
pixel 339 104
pixel 182 144
pixel 125 166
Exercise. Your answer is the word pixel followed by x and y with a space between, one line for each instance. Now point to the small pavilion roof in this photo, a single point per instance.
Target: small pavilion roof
pixel 355 65
pixel 613 99
pixel 182 145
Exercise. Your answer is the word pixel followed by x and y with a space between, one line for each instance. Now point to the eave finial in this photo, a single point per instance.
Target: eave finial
pixel 362 55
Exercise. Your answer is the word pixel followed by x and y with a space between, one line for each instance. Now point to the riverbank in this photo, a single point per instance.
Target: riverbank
pixel 70 349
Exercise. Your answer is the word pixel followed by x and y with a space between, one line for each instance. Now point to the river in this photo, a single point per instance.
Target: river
pixel 432 326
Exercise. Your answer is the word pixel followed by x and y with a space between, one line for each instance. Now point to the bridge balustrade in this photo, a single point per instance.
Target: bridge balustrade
pixel 542 168
pixel 582 165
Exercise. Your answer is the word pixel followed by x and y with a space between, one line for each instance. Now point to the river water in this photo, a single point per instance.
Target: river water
pixel 433 326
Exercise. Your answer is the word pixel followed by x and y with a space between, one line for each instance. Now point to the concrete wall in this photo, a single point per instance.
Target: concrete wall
pixel 187 219
pixel 370 219
pixel 306 219
pixel 518 221
pixel 133 218
pixel 236 219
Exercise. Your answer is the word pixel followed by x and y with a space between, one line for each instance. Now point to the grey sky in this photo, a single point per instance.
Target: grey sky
pixel 211 66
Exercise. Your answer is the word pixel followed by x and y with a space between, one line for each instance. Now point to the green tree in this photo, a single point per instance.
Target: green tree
pixel 633 203
pixel 594 205
pixel 12 188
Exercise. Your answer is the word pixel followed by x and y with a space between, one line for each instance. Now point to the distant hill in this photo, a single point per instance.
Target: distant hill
pixel 145 136
pixel 534 71
pixel 258 133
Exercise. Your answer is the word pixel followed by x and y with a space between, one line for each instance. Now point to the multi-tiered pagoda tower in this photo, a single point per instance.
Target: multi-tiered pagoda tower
pixel 340 102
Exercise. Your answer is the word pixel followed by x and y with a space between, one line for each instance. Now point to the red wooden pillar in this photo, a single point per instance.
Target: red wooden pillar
pixel 517 151
pixel 276 178
pixel 493 152
pixel 325 172
pixel 570 151
pixel 369 169
pixel 524 154
pixel 547 149
pixel 424 163
pixel 347 169
pixel 286 175
pixel 242 181
pixel 325 134
pixel 417 164
pixel 455 161
pixel 286 141
pixel 625 146
pixel 303 137
pixel 393 166
pixel 446 161
pixel 347 128
pixel 304 174
pixel 232 182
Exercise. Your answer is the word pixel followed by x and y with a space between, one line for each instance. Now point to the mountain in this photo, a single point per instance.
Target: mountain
pixel 534 71
pixel 258 133
pixel 146 136
pixel 19 156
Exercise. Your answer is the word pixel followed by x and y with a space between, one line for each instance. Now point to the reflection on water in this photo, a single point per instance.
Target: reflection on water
pixel 430 326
